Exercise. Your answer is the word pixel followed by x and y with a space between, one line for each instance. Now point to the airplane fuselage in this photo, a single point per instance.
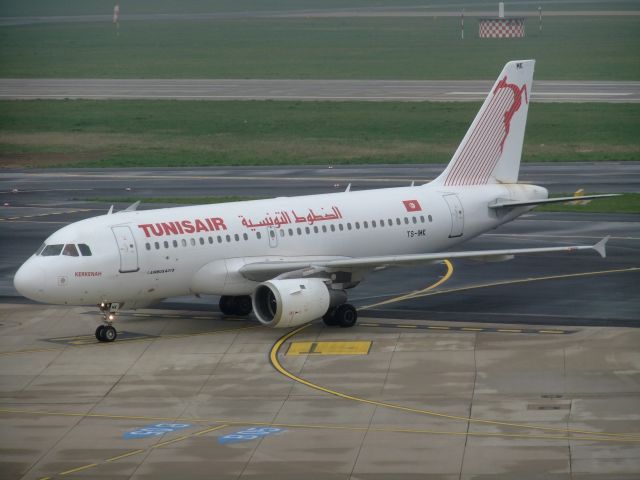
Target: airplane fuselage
pixel 139 257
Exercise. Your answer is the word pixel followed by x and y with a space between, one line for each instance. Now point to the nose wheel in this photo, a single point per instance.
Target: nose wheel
pixel 107 332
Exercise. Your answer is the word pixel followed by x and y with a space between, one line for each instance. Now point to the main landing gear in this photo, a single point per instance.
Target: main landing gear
pixel 238 305
pixel 107 332
pixel 344 315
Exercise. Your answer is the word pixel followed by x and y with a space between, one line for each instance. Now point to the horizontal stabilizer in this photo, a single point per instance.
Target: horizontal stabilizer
pixel 510 203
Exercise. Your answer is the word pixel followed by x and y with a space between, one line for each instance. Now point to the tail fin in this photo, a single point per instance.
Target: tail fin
pixel 490 151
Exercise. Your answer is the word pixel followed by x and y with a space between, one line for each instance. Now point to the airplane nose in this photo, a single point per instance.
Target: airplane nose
pixel 27 280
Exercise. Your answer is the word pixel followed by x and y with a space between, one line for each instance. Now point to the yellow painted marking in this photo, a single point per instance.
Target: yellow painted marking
pixel 273 357
pixel 141 339
pixel 472 329
pixel 124 455
pixel 329 348
pixel 73 470
pixel 439 328
pixel 509 330
pixel 530 279
pixel 625 437
pixel 208 430
pixel 411 295
pixel 362 324
pixel 173 440
pixel 43 478
pixel 550 331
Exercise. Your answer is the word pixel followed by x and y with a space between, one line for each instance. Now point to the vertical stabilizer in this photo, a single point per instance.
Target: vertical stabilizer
pixel 491 149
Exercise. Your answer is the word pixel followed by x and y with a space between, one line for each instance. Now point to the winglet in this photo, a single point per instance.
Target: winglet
pixel 110 210
pixel 600 246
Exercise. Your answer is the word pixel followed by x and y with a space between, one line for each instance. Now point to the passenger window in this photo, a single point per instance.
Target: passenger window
pixel 166 244
pixel 210 240
pixel 333 228
pixel 315 229
pixel 430 218
pixel 341 227
pixel 245 236
pixel 52 250
pixel 415 220
pixel 324 228
pixel 85 250
pixel 349 226
pixel 157 245
pixel 357 225
pixel 70 250
pixel 193 242
pixel 236 237
pixel 381 223
pixel 228 238
pixel 291 232
pixel 272 234
pixel 258 235
pixel 282 233
pixel 220 238
pixel 175 243
pixel 299 230
pixel 148 245
pixel 406 220
pixel 365 224
pixel 306 230
pixel 201 241
pixel 421 218
pixel 184 242
pixel 40 248
pixel 373 223
pixel 398 221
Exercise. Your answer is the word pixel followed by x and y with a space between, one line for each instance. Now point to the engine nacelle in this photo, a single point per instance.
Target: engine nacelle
pixel 292 302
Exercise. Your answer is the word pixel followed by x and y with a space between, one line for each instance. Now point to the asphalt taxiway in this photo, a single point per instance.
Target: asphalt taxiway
pixel 320 90
pixel 521 369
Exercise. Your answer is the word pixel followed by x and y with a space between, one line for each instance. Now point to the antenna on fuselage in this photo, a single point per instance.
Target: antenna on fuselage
pixel 348 189
pixel 110 210
pixel 133 207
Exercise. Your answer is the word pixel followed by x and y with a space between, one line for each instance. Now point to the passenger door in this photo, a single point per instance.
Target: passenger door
pixel 457 214
pixel 127 248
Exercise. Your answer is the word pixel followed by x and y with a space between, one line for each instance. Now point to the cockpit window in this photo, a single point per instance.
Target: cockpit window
pixel 84 249
pixel 52 250
pixel 40 248
pixel 70 250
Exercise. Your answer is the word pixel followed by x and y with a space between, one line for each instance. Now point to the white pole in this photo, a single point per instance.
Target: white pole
pixel 540 17
pixel 462 25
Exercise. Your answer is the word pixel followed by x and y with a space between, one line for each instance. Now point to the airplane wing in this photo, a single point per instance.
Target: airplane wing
pixel 511 203
pixel 262 271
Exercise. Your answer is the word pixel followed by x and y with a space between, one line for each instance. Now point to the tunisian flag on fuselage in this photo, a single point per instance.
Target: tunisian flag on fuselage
pixel 412 205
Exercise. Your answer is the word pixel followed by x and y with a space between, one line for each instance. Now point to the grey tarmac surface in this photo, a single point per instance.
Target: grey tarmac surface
pixel 284 89
pixel 541 352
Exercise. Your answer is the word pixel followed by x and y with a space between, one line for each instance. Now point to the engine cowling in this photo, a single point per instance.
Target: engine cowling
pixel 291 302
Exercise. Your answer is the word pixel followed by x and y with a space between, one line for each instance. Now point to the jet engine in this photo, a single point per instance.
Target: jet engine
pixel 292 302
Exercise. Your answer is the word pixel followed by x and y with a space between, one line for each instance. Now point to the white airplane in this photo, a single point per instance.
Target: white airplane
pixel 290 260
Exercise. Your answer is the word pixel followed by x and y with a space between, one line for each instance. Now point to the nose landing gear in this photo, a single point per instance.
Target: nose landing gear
pixel 107 332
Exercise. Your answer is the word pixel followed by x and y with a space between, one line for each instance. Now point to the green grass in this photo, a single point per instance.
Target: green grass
pixel 584 48
pixel 174 133
pixel 92 7
pixel 627 203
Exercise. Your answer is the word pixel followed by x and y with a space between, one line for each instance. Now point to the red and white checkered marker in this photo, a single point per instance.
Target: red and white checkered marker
pixel 501 27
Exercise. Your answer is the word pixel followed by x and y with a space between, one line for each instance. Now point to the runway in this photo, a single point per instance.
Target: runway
pixel 520 369
pixel 321 90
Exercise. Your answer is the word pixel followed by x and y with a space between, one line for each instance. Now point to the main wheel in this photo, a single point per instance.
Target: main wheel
pixel 346 315
pixel 109 334
pixel 329 318
pixel 226 305
pixel 242 305
pixel 100 333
